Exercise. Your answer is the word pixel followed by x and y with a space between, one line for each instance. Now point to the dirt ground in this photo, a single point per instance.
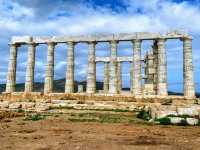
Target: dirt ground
pixel 57 132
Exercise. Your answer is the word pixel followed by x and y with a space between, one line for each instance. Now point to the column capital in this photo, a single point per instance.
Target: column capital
pixel 186 39
pixel 33 44
pixel 136 40
pixel 51 43
pixel 114 42
pixel 14 44
pixel 158 40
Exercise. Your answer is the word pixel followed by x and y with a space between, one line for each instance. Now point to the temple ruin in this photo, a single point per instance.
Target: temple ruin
pixel 155 63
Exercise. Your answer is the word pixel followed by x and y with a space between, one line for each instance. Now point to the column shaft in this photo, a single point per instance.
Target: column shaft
pixel 48 84
pixel 91 73
pixel 30 68
pixel 155 54
pixel 11 76
pixel 106 77
pixel 137 87
pixel 113 68
pixel 69 84
pixel 162 69
pixel 119 82
pixel 131 77
pixel 189 87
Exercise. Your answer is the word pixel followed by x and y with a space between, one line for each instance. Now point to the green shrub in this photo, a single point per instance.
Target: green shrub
pixel 164 121
pixel 35 117
pixel 143 115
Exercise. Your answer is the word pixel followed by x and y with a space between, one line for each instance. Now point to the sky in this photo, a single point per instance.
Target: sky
pixel 80 17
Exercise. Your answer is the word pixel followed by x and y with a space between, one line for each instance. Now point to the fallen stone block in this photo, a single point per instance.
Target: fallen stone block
pixel 192 121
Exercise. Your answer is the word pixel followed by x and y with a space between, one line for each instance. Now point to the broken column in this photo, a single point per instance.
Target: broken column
pixel 189 88
pixel 113 68
pixel 48 83
pixel 11 76
pixel 69 83
pixel 106 77
pixel 30 68
pixel 162 69
pixel 136 87
pixel 91 74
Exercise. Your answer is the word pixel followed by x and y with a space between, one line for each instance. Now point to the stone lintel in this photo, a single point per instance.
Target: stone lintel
pixel 119 59
pixel 100 37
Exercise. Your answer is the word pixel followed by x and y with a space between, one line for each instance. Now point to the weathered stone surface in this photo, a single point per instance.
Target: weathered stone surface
pixel 42 107
pixel 175 120
pixel 4 104
pixel 15 105
pixel 192 121
pixel 191 111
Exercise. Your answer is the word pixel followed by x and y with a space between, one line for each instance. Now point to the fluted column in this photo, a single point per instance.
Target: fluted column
pixel 155 60
pixel 11 76
pixel 69 83
pixel 137 87
pixel 119 82
pixel 48 84
pixel 91 73
pixel 188 74
pixel 30 68
pixel 106 77
pixel 162 68
pixel 113 68
pixel 131 76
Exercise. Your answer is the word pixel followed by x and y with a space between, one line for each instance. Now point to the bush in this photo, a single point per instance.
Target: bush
pixel 143 115
pixel 35 117
pixel 164 121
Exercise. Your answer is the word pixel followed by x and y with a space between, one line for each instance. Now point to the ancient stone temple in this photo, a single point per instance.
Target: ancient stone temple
pixel 155 63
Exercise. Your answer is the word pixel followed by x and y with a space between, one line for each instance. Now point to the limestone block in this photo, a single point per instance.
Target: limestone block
pixel 42 39
pixel 80 88
pixel 27 105
pixel 191 111
pixel 15 105
pixel 164 113
pixel 192 121
pixel 175 120
pixel 42 107
pixel 4 104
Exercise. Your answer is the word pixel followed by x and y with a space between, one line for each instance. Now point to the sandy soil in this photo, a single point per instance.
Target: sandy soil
pixel 56 133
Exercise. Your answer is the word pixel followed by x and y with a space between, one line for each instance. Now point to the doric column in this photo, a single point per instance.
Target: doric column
pixel 48 84
pixel 11 76
pixel 113 68
pixel 131 76
pixel 188 75
pixel 91 72
pixel 69 83
pixel 106 77
pixel 137 87
pixel 162 69
pixel 155 60
pixel 119 82
pixel 30 68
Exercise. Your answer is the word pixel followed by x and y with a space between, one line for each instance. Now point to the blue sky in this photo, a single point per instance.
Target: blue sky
pixel 69 17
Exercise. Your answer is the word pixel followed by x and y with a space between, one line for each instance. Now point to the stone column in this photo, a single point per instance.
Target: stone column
pixel 113 68
pixel 131 77
pixel 30 68
pixel 162 69
pixel 137 87
pixel 48 83
pixel 155 54
pixel 91 73
pixel 69 83
pixel 11 76
pixel 119 82
pixel 106 77
pixel 188 75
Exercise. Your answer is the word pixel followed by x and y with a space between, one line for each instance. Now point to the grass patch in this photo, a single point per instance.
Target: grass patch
pixel 104 118
pixel 35 117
